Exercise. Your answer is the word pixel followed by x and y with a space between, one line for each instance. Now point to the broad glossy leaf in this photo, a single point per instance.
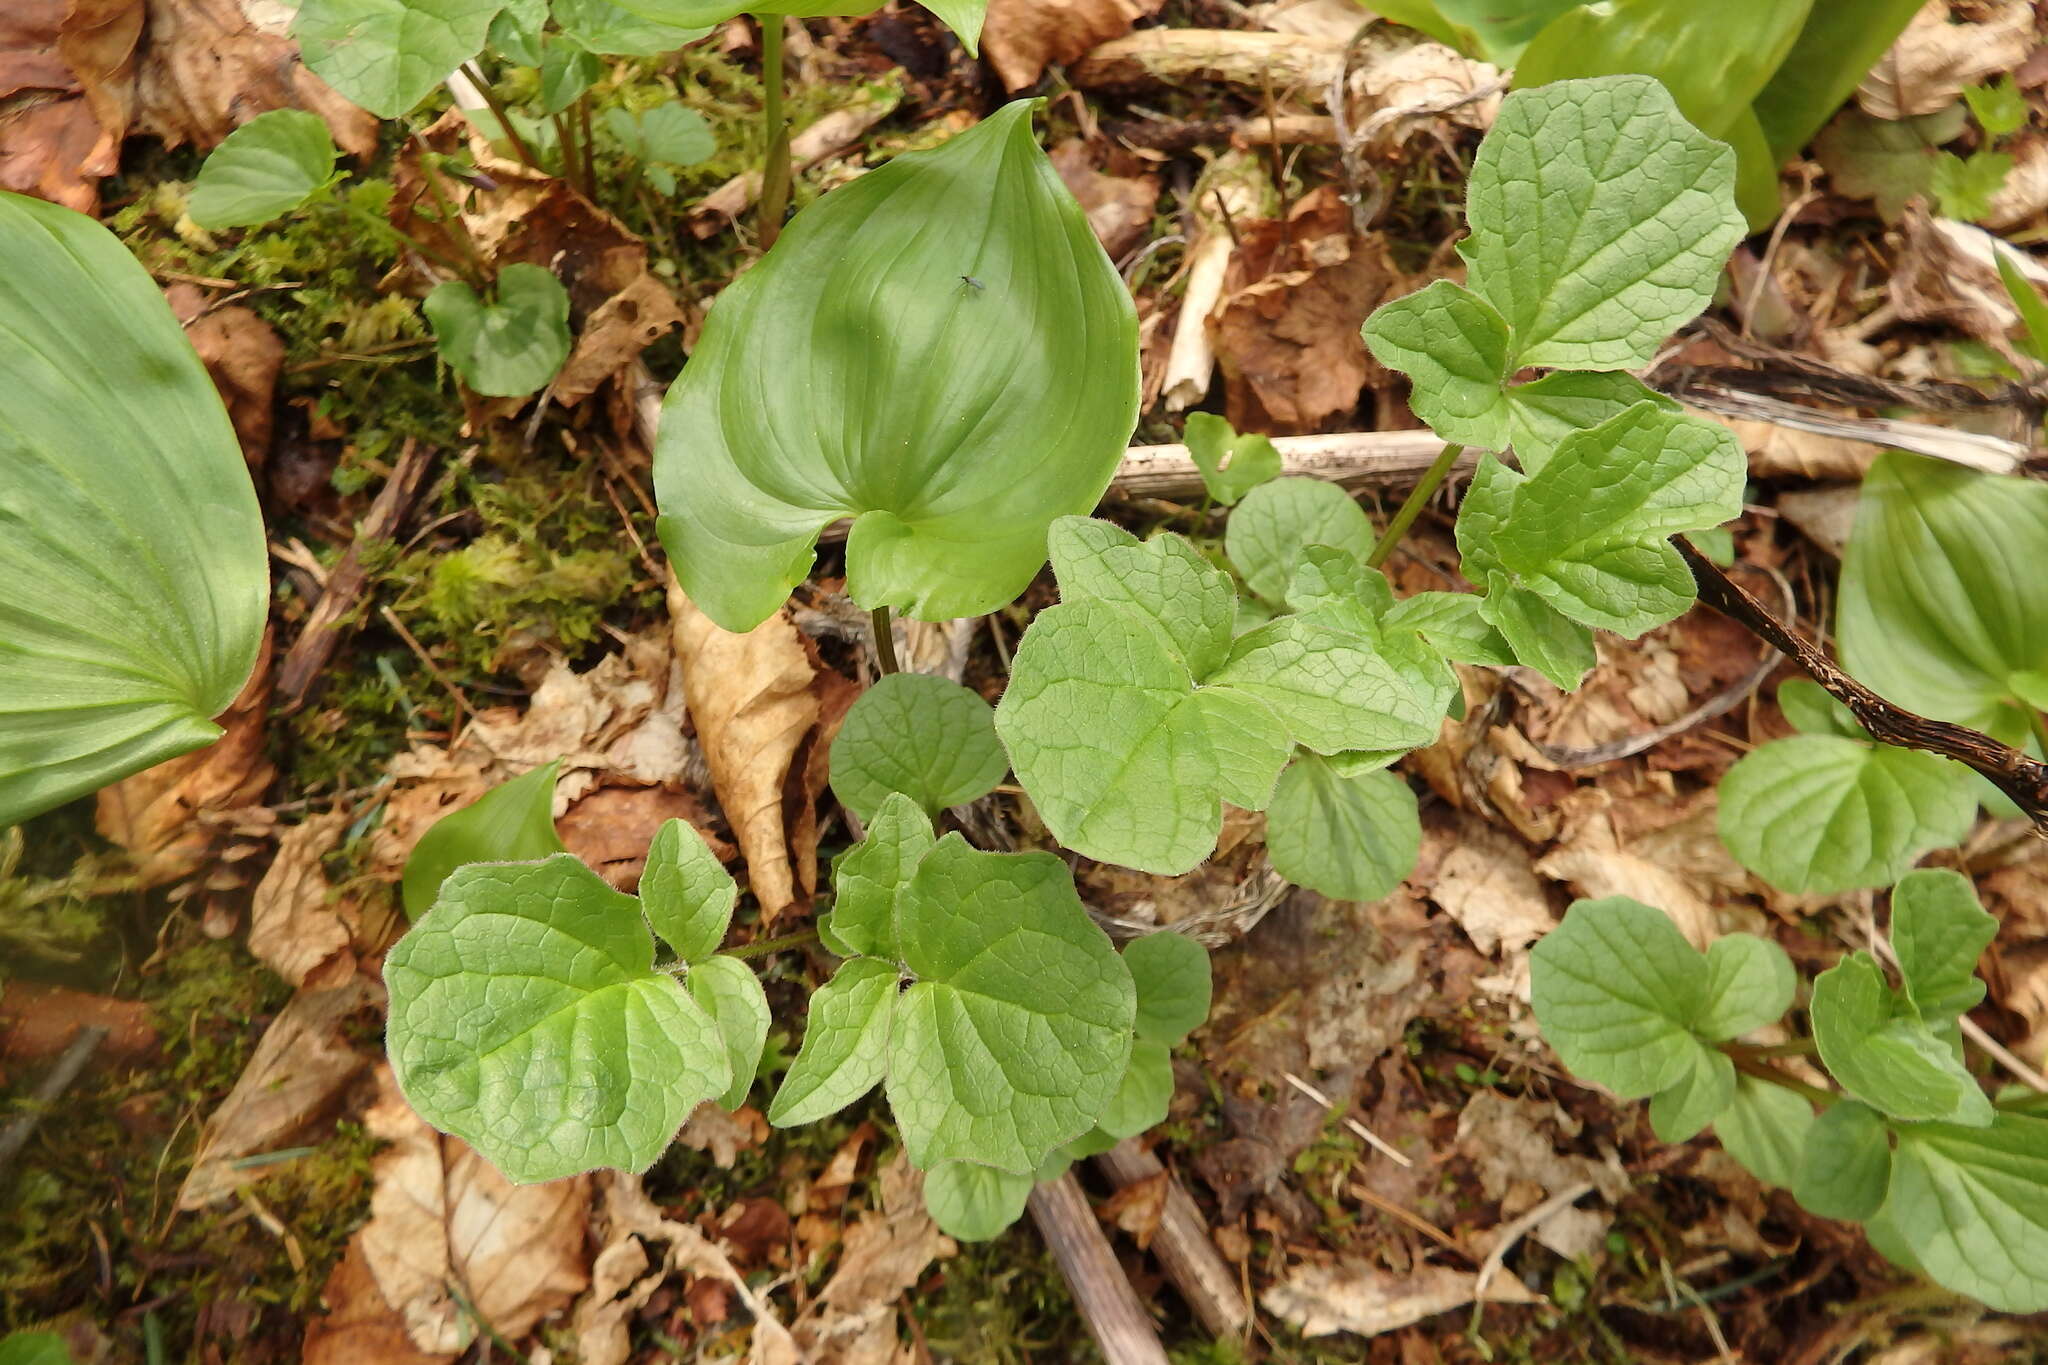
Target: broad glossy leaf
pixel 388 55
pixel 1840 42
pixel 1543 412
pixel 1968 1201
pixel 866 878
pixel 1941 591
pixel 687 893
pixel 1016 1035
pixel 1164 579
pixel 1884 1055
pixel 1764 1128
pixel 134 582
pixel 508 346
pixel 1276 521
pixel 1939 930
pixel 1616 989
pixel 1846 1163
pixel 1351 838
pixel 668 133
pixel 1600 221
pixel 1231 464
pixel 603 26
pixel 846 1043
pixel 817 391
pixel 1822 813
pixel 528 1020
pixel 513 822
pixel 727 989
pixel 263 170
pixel 974 1203
pixel 1680 1111
pixel 1170 972
pixel 1144 1095
pixel 1455 347
pixel 1750 983
pixel 928 738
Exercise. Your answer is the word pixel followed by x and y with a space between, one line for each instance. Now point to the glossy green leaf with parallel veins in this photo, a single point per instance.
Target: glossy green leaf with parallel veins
pixel 1822 813
pixel 974 1203
pixel 263 170
pixel 687 893
pixel 1939 930
pixel 1616 989
pixel 528 1020
pixel 866 878
pixel 1231 464
pixel 1170 972
pixel 1883 1054
pixel 1941 600
pixel 1845 1164
pixel 1276 521
pixel 846 1043
pixel 507 346
pixel 727 990
pixel 1455 347
pixel 1839 43
pixel 1968 1201
pixel 855 373
pixel 1680 1111
pixel 512 822
pixel 134 582
pixel 388 55
pixel 1351 838
pixel 1764 1128
pixel 929 738
pixel 1017 1032
pixel 1600 221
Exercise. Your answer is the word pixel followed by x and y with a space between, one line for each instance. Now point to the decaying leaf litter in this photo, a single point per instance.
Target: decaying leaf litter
pixel 1366 1135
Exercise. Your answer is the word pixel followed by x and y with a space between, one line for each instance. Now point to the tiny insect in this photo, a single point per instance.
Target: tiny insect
pixel 969 282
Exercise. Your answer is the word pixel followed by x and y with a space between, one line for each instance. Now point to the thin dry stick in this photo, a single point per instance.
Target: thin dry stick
pixel 1106 1300
pixel 1378 1144
pixel 1182 1243
pixel 1515 1231
pixel 434 669
pixel 16 1134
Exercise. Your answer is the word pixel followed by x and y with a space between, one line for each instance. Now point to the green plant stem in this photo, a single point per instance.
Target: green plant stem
pixel 478 274
pixel 497 107
pixel 1432 479
pixel 2040 727
pixel 773 945
pixel 775 170
pixel 589 146
pixel 885 641
pixel 1799 1047
pixel 1764 1071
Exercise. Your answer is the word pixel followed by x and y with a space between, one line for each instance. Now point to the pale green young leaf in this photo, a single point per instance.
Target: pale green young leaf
pixel 726 989
pixel 2033 312
pixel 1883 1055
pixel 815 392
pixel 1699 1096
pixel 1483 514
pixel 1453 624
pixel 1351 838
pixel 516 30
pixel 1600 221
pixel 1939 930
pixel 263 170
pixel 1764 1128
pixel 926 737
pixel 1968 1201
pixel 513 822
pixel 1335 690
pixel 1144 1094
pixel 1163 579
pixel 1998 106
pixel 1845 1164
pixel 964 17
pixel 866 878
pixel 973 1202
pixel 1616 989
pixel 1454 346
pixel 388 55
pixel 1016 1035
pixel 1543 412
pixel 615 30
pixel 567 70
pixel 846 1044
pixel 1276 521
pixel 1821 813
pixel 1331 588
pixel 1231 463
pixel 1125 761
pixel 35 1348
pixel 134 584
pixel 668 134
pixel 1750 983
pixel 687 893
pixel 1537 633
pixel 1170 972
pixel 1940 591
pixel 2030 687
pixel 528 1020
pixel 1812 711
pixel 511 345
pixel 1964 188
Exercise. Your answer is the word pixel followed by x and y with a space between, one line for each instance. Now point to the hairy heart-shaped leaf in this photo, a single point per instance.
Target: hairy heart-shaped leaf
pixel 513 822
pixel 507 346
pixel 1171 974
pixel 1351 838
pixel 134 582
pixel 388 55
pixel 727 990
pixel 1616 988
pixel 1884 1054
pixel 1231 464
pixel 668 133
pixel 1455 346
pixel 846 1044
pixel 1764 1128
pixel 1939 930
pixel 263 170
pixel 856 372
pixel 1276 521
pixel 866 878
pixel 1679 1111
pixel 1968 1202
pixel 929 738
pixel 974 1203
pixel 1845 1164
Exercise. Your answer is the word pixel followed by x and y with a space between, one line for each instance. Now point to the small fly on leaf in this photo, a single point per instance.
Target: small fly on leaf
pixel 969 282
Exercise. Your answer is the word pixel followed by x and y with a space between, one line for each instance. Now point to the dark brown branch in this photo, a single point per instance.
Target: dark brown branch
pixel 2023 779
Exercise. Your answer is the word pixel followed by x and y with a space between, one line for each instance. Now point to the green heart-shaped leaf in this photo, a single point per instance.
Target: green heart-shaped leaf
pixel 1968 1202
pixel 1883 1054
pixel 880 364
pixel 1939 930
pixel 1455 347
pixel 1276 521
pixel 1846 1163
pixel 929 738
pixel 1231 464
pixel 1171 974
pixel 1351 838
pixel 974 1203
pixel 1678 1112
pixel 727 990
pixel 1616 989
pixel 866 878
pixel 1764 1128
pixel 134 583
pixel 510 346
pixel 668 133
pixel 263 170
pixel 388 55
pixel 846 1043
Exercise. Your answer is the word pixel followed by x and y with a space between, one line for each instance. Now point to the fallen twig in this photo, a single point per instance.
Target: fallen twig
pixel 1106 1300
pixel 1182 1243
pixel 16 1134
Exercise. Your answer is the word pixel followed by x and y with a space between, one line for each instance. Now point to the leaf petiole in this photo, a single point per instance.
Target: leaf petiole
pixel 776 173
pixel 885 641
pixel 1751 1065
pixel 763 947
pixel 1432 479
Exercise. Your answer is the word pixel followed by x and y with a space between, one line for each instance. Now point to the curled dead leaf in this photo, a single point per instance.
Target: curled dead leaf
pixel 1927 68
pixel 242 354
pixel 1365 1300
pixel 1023 37
pixel 295 925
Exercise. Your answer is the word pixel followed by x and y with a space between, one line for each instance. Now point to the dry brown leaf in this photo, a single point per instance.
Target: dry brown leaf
pixel 1429 76
pixel 725 1136
pixel 1777 452
pixel 294 1079
pixel 1334 20
pixel 2025 191
pixel 753 701
pixel 1138 1207
pixel 1119 208
pixel 38 1022
pixel 242 355
pixel 167 816
pixel 294 925
pixel 614 335
pixel 1023 37
pixel 206 69
pixel 1594 861
pixel 1927 68
pixel 853 1320
pixel 1487 882
pixel 1825 515
pixel 1363 1299
pixel 359 1328
pixel 1946 275
pixel 66 77
pixel 441 1215
pixel 611 828
pixel 1513 1147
